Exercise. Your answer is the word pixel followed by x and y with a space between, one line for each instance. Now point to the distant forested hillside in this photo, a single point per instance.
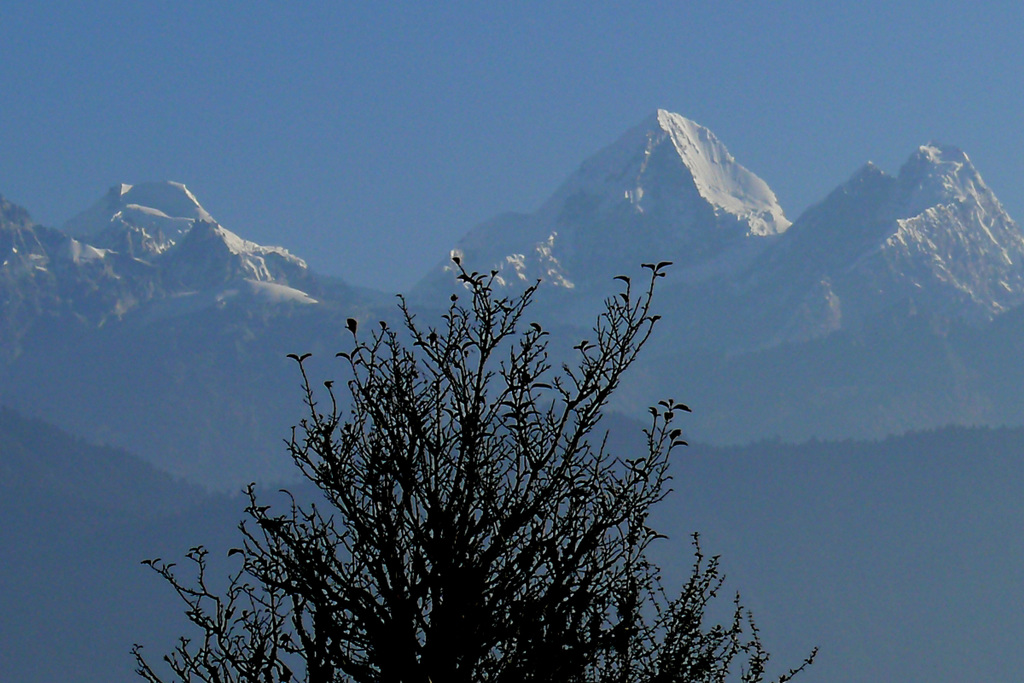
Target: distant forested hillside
pixel 902 558
pixel 77 519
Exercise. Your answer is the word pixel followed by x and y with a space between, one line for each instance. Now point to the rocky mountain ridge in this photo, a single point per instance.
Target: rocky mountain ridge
pixel 934 237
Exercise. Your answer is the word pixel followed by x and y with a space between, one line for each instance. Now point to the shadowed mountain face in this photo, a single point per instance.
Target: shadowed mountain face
pixel 47 276
pixel 890 305
pixel 77 521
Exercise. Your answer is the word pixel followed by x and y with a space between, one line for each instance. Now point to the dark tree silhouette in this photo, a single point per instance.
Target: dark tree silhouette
pixel 476 525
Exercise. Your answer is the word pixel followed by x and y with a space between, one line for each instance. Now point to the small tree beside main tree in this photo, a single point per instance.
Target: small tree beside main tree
pixel 475 524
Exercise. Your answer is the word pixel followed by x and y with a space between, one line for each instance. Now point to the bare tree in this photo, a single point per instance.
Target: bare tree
pixel 477 525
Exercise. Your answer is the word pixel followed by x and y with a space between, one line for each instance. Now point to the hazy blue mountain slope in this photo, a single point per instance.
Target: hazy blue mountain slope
pixel 77 521
pixel 900 371
pixel 900 558
pixel 208 394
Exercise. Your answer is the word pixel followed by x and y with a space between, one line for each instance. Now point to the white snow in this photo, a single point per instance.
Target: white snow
pixel 169 197
pixel 719 179
pixel 623 171
pixel 158 216
pixel 167 207
pixel 270 292
pixel 188 303
pixel 79 252
pixel 949 238
pixel 553 271
pixel 243 247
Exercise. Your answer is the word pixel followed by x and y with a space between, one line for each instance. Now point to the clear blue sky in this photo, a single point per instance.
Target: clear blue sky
pixel 368 137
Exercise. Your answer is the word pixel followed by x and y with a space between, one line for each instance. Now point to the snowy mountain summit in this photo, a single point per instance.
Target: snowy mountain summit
pixel 952 235
pixel 163 223
pixel 150 245
pixel 142 220
pixel 727 186
pixel 934 238
pixel 666 190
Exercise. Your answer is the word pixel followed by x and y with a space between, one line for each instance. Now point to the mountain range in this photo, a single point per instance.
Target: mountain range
pixel 894 303
pixel 935 236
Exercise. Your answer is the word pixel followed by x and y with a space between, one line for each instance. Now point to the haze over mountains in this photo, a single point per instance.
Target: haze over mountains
pixel 899 558
pixel 893 304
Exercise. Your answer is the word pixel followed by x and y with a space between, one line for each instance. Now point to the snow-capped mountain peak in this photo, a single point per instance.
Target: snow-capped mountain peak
pixel 668 189
pixel 720 179
pixel 937 174
pixel 169 197
pixel 141 220
pixel 934 238
pixel 163 223
pixel 210 255
pixel 668 157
